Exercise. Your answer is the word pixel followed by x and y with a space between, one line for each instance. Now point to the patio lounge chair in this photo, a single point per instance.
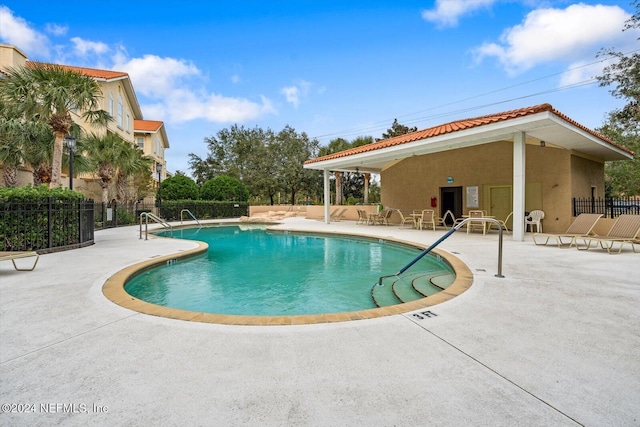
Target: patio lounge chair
pixel 6 256
pixel 582 226
pixel 626 229
pixel 337 215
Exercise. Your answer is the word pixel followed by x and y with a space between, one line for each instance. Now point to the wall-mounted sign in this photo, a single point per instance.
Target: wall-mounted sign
pixel 449 180
pixel 472 197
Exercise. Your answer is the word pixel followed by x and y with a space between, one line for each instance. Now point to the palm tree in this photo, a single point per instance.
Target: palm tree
pixel 336 145
pixel 38 153
pixel 49 93
pixel 18 138
pixel 131 163
pixel 103 155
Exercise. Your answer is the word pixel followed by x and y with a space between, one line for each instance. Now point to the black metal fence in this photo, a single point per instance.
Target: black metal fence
pixel 115 214
pixel 46 225
pixel 609 207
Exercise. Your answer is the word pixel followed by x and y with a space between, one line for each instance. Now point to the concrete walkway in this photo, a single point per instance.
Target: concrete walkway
pixel 554 342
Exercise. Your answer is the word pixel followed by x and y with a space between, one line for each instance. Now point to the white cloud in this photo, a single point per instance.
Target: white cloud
pixel 154 76
pixel 291 93
pixel 17 32
pixel 548 35
pixel 183 105
pixel 580 72
pixel 85 47
pixel 447 12
pixel 56 30
pixel 298 90
pixel 169 85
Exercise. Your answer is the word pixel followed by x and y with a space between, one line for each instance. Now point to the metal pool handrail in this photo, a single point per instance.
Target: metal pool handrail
pixel 191 215
pixel 155 218
pixel 445 236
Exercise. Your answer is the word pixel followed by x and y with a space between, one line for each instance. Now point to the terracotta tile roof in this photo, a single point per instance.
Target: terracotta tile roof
pixel 459 125
pixel 147 125
pixel 91 72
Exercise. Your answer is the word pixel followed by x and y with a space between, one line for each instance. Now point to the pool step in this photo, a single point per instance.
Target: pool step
pixel 410 287
pixel 403 290
pixel 443 281
pixel 383 296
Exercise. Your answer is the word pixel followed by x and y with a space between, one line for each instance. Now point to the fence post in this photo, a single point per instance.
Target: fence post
pixel 49 225
pixel 80 204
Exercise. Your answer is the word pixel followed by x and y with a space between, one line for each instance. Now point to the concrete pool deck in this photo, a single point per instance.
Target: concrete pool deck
pixel 554 342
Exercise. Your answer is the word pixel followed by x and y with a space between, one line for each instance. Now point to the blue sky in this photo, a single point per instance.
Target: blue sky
pixel 331 68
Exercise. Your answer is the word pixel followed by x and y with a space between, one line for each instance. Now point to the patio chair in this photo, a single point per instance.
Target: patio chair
pixel 472 225
pixel 582 226
pixel 404 219
pixel 448 215
pixel 383 216
pixel 363 218
pixel 504 223
pixel 427 219
pixel 14 255
pixel 534 218
pixel 626 229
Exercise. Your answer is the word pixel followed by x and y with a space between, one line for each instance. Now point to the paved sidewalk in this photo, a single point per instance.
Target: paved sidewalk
pixel 554 342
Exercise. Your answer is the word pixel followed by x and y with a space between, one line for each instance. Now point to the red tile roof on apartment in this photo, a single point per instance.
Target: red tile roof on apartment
pixel 147 125
pixel 91 72
pixel 459 125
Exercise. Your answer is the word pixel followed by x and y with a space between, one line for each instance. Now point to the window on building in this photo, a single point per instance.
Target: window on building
pixel 140 143
pixel 128 122
pixel 120 112
pixel 156 146
pixel 111 104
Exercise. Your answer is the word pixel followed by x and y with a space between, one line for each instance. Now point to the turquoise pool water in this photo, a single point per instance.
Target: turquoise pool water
pixel 251 271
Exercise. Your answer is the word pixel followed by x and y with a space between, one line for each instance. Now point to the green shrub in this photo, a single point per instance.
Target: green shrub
pixel 36 218
pixel 224 189
pixel 179 187
pixel 202 209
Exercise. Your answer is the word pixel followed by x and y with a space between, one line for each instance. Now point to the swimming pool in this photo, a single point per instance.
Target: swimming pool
pixel 249 271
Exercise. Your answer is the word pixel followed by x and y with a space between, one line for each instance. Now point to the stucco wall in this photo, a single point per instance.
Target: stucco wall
pixel 553 177
pixel 586 173
pixel 410 183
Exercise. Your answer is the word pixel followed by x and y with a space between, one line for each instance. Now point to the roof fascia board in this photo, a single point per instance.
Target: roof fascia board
pixel 588 135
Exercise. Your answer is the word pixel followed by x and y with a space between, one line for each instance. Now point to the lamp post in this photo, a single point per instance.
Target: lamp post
pixel 159 170
pixel 70 142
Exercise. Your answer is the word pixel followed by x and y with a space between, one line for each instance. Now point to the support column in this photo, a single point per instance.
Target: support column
pixel 519 176
pixel 327 197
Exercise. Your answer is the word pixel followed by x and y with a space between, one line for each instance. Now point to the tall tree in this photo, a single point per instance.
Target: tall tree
pixel 104 154
pixel 359 141
pixel 623 176
pixel 131 163
pixel 397 129
pixel 22 143
pixel 623 124
pixel 291 151
pixel 233 152
pixel 625 76
pixel 335 146
pixel 49 93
